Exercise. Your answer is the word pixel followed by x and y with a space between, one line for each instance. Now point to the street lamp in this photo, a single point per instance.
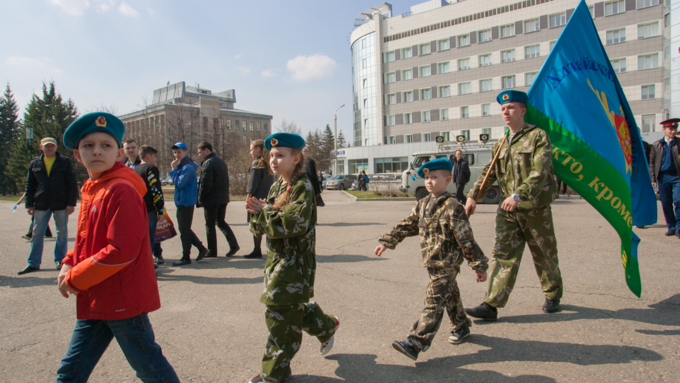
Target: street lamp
pixel 335 132
pixel 29 139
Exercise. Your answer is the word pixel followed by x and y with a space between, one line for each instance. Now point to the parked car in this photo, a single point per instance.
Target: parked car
pixel 166 181
pixel 340 182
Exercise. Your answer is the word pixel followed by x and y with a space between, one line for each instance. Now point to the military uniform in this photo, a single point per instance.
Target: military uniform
pixel 445 239
pixel 524 167
pixel 289 276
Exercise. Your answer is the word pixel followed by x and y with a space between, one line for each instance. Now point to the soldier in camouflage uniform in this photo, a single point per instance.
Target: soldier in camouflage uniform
pixel 524 172
pixel 445 239
pixel 290 270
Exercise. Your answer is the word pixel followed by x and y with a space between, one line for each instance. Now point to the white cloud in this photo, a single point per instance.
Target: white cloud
pixel 127 10
pixel 72 7
pixel 243 70
pixel 310 67
pixel 267 73
pixel 105 5
pixel 25 62
pixel 238 56
pixel 151 11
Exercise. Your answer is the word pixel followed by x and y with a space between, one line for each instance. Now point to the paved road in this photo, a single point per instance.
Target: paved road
pixel 211 324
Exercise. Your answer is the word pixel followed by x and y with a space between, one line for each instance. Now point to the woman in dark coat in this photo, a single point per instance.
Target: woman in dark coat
pixel 260 180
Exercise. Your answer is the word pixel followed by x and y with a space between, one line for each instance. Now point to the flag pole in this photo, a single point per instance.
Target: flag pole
pixel 491 167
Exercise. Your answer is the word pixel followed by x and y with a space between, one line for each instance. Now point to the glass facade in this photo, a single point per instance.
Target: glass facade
pixel 367 123
pixel 391 164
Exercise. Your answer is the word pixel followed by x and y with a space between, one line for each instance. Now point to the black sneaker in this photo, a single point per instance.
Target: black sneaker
pixel 182 262
pixel 202 254
pixel 160 260
pixel 407 348
pixel 670 233
pixel 551 305
pixel 28 269
pixel 483 311
pixel 459 335
pixel 232 251
pixel 257 253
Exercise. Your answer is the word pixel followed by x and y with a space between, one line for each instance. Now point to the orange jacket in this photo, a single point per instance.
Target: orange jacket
pixel 113 270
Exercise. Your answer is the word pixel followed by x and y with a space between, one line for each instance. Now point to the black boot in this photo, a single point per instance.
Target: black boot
pixel 551 305
pixel 256 253
pixel 483 311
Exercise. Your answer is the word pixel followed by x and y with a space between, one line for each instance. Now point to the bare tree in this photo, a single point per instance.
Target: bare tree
pixel 112 109
pixel 288 127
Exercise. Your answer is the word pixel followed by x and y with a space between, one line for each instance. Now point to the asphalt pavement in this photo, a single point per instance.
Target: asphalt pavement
pixel 211 324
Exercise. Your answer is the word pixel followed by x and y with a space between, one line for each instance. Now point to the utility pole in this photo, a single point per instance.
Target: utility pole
pixel 335 139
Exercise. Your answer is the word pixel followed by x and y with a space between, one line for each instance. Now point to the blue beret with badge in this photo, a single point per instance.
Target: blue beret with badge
pixel 512 96
pixel 93 122
pixel 282 139
pixel 437 164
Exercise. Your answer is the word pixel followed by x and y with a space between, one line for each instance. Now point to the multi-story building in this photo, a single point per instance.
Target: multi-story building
pixel 436 70
pixel 193 114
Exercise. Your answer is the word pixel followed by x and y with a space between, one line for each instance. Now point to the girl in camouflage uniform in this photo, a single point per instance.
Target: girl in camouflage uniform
pixel 288 219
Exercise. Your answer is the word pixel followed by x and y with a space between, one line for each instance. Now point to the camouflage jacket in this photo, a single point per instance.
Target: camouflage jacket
pixel 291 240
pixel 445 234
pixel 524 167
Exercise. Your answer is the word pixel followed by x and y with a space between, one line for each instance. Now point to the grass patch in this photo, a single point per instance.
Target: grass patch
pixel 373 195
pixel 10 198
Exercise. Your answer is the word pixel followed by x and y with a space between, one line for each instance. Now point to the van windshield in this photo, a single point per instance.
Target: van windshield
pixel 418 162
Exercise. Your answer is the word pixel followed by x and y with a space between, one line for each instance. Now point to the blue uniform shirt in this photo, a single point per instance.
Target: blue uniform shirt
pixel 667 165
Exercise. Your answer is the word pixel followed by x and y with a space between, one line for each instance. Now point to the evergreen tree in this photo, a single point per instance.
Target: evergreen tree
pixel 342 142
pixel 327 146
pixel 9 126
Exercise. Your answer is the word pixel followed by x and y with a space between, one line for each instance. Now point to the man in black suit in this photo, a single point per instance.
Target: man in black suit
pixel 461 175
pixel 664 167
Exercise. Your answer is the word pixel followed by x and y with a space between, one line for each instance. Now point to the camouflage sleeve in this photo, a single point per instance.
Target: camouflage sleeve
pixel 408 227
pixel 462 231
pixel 474 192
pixel 292 220
pixel 541 169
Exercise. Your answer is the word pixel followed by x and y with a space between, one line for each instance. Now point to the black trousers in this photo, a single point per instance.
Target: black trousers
pixel 460 196
pixel 214 215
pixel 185 216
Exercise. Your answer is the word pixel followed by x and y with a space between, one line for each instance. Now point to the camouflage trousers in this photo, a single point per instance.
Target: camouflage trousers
pixel 285 324
pixel 442 294
pixel 513 230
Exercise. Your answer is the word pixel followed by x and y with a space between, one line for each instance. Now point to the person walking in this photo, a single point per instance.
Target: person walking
pixel 213 196
pixel 51 190
pixel 361 180
pixel 664 168
pixel 260 181
pixel 183 176
pixel 461 176
pixel 153 199
pixel 132 153
pixel 524 171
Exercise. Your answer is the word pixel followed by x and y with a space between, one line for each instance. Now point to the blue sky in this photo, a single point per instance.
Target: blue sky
pixel 287 59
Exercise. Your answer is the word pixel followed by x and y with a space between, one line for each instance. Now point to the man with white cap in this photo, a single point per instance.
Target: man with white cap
pixel 51 189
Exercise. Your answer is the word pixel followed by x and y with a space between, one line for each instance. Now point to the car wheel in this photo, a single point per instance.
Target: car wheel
pixel 341 187
pixel 493 196
pixel 421 193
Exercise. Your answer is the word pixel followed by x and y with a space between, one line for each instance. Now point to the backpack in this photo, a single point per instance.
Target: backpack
pixel 366 179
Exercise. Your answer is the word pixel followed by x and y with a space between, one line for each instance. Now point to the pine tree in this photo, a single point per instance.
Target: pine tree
pixel 327 146
pixel 342 142
pixel 9 126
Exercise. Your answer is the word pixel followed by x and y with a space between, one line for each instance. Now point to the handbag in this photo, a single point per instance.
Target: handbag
pixel 165 229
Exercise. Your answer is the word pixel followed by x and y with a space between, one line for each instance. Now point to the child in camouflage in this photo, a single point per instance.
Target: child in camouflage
pixel 288 219
pixel 445 239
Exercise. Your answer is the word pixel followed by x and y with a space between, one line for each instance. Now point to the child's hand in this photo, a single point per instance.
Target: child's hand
pixel 380 249
pixel 254 205
pixel 481 276
pixel 61 281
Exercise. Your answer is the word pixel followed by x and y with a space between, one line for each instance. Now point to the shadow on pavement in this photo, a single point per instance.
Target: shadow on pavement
pixel 168 275
pixel 49 279
pixel 343 224
pixel 345 258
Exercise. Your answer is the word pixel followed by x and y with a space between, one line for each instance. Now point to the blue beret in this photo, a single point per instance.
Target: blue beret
pixel 512 96
pixel 290 140
pixel 93 122
pixel 437 164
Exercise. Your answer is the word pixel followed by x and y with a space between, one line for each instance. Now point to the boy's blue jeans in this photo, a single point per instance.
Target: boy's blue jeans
pixel 40 221
pixel 134 335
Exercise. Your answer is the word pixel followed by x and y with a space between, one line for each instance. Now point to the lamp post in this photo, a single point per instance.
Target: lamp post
pixel 29 139
pixel 335 138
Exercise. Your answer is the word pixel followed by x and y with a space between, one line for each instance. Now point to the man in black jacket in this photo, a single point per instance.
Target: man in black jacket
pixel 461 175
pixel 51 189
pixel 213 196
pixel 132 153
pixel 664 167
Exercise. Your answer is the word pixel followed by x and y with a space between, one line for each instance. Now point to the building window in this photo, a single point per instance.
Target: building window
pixel 464 40
pixel 407 74
pixel 648 92
pixel 425 94
pixel 444 114
pixel 529 78
pixel 648 61
pixel 445 135
pixel 487 131
pixel 365 122
pixel 425 49
pixel 558 19
pixel 265 127
pixel 443 68
pixel 364 83
pixel 425 71
pixel 444 45
pixel 390 99
pixel 389 57
pixel 464 111
pixel 236 124
pixel 486 109
pixel 667 86
pixel 425 137
pixel 390 120
pixel 364 63
pixel 408 138
pixel 228 124
pixel 648 122
pixel 464 64
pixel 466 133
pixel 648 30
pixel 485 60
pixel 392 140
pixel 508 56
pixel 508 81
pixel 408 96
pixel 408 119
pixel 616 36
pixel 614 7
pixel 390 77
pixel 591 9
pixel 252 126
pixel 646 3
pixel 532 51
pixel 365 103
pixel 406 53
pixel 532 25
pixel 619 65
pixel 244 126
pixel 259 126
pixel 507 30
pixel 485 35
pixel 486 85
pixel 445 91
pixel 552 44
pixel 425 116
pixel 464 88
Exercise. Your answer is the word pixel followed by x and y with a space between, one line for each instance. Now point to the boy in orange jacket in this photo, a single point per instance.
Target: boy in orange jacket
pixel 110 269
